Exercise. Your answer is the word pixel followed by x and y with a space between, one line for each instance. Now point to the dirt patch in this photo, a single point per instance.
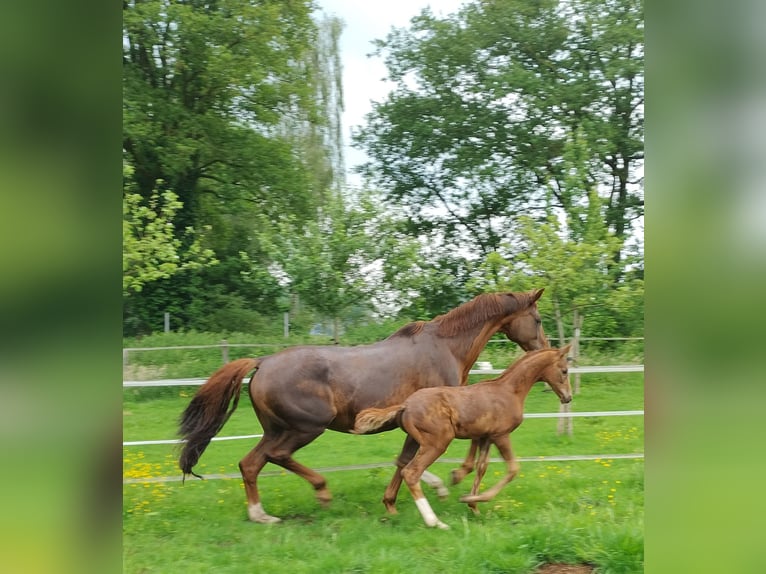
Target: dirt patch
pixel 142 373
pixel 564 569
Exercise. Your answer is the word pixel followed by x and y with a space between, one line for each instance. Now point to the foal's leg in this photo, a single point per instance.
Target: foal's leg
pixel 412 473
pixel 503 444
pixel 481 469
pixel 467 467
pixel 409 449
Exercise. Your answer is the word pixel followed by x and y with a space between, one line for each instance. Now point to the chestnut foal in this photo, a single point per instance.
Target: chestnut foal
pixel 486 412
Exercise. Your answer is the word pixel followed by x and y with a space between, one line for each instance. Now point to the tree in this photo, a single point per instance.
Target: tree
pixel 232 107
pixel 494 104
pixel 326 263
pixel 577 275
pixel 151 250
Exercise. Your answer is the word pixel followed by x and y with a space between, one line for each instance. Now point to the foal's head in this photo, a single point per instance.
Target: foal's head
pixel 556 374
pixel 526 326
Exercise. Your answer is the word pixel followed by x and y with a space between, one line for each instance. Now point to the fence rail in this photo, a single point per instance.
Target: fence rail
pixel 552 458
pixel 574 370
pixel 569 414
pixel 224 346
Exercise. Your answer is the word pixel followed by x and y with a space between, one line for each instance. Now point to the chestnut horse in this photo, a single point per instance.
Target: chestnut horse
pixel 300 392
pixel 486 412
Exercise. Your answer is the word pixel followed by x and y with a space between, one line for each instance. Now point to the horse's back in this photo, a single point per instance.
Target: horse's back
pixel 331 384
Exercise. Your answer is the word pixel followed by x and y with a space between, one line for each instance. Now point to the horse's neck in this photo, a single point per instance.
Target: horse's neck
pixel 468 345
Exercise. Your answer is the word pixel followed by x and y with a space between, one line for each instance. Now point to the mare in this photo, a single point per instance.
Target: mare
pixel 301 391
pixel 486 412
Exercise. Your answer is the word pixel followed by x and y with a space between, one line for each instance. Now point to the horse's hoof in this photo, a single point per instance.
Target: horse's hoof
pixel 324 497
pixel 442 492
pixel 256 513
pixel 441 526
pixel 265 519
pixel 456 476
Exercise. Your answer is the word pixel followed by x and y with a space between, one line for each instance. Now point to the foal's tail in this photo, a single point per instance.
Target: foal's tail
pixel 207 412
pixel 375 420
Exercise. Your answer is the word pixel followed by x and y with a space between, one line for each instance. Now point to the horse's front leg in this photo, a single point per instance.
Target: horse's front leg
pixel 409 449
pixel 503 444
pixel 481 469
pixel 467 467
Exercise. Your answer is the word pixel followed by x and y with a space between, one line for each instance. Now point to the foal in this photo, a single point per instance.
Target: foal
pixel 486 412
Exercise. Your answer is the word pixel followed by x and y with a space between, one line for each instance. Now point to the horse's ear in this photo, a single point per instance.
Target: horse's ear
pixel 536 294
pixel 564 351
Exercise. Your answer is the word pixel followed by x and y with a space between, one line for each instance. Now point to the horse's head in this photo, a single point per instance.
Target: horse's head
pixel 525 327
pixel 556 374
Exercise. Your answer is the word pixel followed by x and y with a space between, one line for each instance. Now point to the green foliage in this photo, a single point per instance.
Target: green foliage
pixel 577 275
pixel 150 248
pixel 230 115
pixel 507 108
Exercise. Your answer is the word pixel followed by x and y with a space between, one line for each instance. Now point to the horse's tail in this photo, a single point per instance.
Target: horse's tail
pixel 377 420
pixel 209 410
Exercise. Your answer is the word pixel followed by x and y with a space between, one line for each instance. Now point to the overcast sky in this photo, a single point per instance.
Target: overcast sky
pixel 365 21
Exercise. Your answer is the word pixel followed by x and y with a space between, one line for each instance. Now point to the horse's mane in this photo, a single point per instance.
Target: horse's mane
pixel 409 330
pixel 476 311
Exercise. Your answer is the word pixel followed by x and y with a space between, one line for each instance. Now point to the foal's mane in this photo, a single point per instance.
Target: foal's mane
pixel 474 312
pixel 522 363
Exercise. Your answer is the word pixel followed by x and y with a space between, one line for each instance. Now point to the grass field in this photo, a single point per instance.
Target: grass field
pixel 573 512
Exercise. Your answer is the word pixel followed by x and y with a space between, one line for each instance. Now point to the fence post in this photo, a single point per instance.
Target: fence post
pixel 124 358
pixel 167 322
pixel 576 349
pixel 225 351
pixel 286 321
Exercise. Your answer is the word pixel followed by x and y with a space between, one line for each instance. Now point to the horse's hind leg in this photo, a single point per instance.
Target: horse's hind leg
pixel 467 467
pixel 436 483
pixel 277 448
pixel 281 452
pixel 409 449
pixel 412 473
pixel 250 467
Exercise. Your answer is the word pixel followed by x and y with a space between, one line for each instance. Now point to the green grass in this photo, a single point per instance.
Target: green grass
pixel 574 511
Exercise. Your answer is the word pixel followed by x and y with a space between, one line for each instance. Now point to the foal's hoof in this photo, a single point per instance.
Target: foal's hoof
pixel 471 498
pixel 440 525
pixel 324 497
pixel 457 475
pixel 442 492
